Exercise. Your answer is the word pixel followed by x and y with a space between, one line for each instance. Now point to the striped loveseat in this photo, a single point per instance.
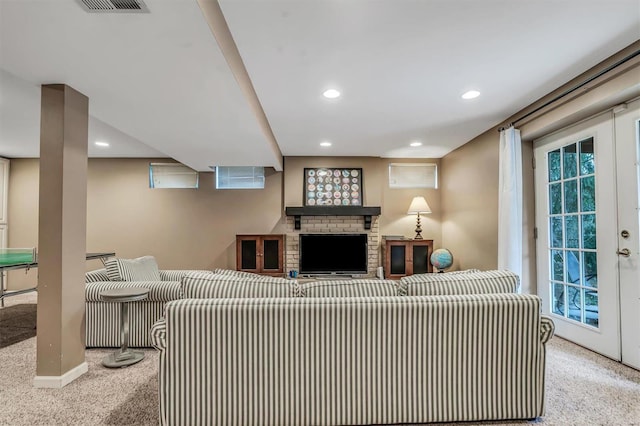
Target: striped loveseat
pixel 103 319
pixel 351 360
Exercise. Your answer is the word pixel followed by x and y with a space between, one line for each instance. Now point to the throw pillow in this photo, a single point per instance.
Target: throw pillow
pixel 144 268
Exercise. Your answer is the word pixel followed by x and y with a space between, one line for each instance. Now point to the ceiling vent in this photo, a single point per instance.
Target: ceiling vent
pixel 114 6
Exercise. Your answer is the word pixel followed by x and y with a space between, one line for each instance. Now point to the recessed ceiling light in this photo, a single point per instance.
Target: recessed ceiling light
pixel 471 94
pixel 331 93
pixel 325 144
pixel 415 143
pixel 102 144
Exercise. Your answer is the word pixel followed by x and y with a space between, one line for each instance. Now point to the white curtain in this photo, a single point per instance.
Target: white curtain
pixel 510 202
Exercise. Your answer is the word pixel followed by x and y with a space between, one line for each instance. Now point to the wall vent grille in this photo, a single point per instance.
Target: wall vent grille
pixel 114 6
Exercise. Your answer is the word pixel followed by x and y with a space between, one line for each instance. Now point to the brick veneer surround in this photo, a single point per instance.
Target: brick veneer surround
pixel 331 225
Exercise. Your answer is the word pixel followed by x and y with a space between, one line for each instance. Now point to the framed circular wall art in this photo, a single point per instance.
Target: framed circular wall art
pixel 332 187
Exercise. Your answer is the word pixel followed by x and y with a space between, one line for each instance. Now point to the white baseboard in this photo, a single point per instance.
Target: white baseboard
pixel 57 382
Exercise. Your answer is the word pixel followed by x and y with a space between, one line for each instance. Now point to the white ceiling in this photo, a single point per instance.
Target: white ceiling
pixel 159 85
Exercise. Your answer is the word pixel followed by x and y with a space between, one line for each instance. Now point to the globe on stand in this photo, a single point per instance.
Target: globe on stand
pixel 441 259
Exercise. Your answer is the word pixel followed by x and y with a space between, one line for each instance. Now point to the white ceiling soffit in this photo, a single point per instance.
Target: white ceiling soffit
pixel 402 65
pixel 20 126
pixel 158 77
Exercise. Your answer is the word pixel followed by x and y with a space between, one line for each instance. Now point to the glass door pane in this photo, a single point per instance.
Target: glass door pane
pixel 398 257
pixel 270 250
pixel 420 258
pixel 571 216
pixel 249 254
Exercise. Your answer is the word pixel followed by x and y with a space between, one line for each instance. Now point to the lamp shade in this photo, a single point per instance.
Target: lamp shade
pixel 419 205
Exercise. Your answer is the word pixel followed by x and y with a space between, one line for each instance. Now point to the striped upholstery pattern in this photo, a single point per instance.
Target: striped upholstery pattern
pixel 351 361
pixel 159 291
pixel 96 276
pixel 547 327
pixel 467 283
pixel 200 285
pixel 103 323
pixel 143 268
pixel 103 319
pixel 176 275
pixel 158 334
pixel 249 276
pixel 348 288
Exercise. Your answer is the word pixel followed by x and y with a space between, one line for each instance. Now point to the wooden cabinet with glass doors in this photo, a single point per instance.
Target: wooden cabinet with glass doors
pixel 406 257
pixel 260 254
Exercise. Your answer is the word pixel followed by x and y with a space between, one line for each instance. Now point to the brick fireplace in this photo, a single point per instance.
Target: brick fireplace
pixel 331 224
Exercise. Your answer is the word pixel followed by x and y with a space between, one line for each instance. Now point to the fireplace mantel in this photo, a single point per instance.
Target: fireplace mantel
pixel 365 212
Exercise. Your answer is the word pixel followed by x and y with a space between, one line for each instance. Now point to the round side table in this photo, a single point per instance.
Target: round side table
pixel 124 356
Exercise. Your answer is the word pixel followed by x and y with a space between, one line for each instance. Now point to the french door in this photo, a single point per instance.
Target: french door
pixel 584 201
pixel 575 217
pixel 587 183
pixel 627 135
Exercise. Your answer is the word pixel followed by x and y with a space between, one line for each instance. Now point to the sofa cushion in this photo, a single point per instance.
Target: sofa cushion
pixel 461 283
pixel 348 288
pixel 249 276
pixel 159 291
pixel 143 268
pixel 96 276
pixel 435 276
pixel 176 274
pixel 205 285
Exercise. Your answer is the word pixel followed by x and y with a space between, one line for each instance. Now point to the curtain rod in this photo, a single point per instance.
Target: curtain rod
pixel 574 88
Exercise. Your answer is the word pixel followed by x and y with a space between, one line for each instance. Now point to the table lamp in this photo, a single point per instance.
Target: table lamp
pixel 418 205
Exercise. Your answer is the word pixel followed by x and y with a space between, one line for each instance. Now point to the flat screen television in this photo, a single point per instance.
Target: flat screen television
pixel 333 254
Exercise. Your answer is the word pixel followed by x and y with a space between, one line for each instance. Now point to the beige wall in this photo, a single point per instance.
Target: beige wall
pixel 470 203
pixel 376 192
pixel 396 201
pixel 372 177
pixel 186 228
pixel 182 228
pixel 470 173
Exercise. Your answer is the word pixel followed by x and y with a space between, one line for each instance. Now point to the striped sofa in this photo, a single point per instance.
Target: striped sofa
pixel 351 361
pixel 103 319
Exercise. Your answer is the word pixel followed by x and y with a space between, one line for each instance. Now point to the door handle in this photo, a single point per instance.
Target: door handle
pixel 623 252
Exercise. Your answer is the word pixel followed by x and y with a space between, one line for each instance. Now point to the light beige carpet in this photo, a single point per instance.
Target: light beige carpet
pixel 583 388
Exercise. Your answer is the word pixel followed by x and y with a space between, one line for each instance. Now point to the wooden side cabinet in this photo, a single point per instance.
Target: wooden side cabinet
pixel 260 254
pixel 406 257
